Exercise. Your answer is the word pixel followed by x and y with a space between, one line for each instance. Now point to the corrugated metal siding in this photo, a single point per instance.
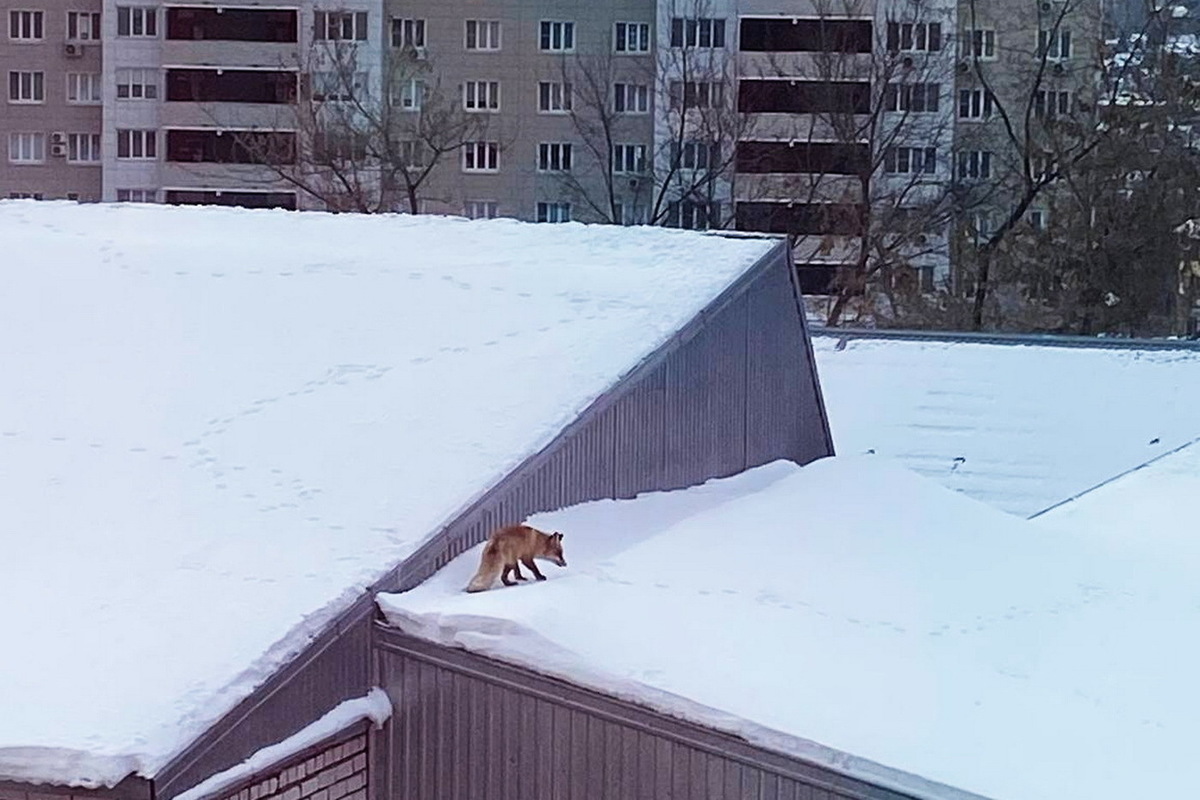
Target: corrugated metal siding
pixel 336 668
pixel 470 728
pixel 734 389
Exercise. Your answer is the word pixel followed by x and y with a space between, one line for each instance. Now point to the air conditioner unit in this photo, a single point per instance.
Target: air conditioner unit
pixel 1047 7
pixel 58 137
pixel 964 66
pixel 73 49
pixel 1059 69
pixel 59 150
pixel 908 62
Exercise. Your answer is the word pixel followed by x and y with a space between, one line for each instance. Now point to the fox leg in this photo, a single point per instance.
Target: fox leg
pixel 516 572
pixel 516 568
pixel 537 573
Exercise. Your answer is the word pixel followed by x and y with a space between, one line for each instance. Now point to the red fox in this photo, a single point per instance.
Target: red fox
pixel 509 547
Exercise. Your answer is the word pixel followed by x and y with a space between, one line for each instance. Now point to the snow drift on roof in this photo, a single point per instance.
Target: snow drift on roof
pixel 1017 427
pixel 853 613
pixel 218 426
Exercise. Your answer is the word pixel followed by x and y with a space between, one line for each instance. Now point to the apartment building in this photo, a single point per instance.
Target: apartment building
pixel 849 126
pixel 50 55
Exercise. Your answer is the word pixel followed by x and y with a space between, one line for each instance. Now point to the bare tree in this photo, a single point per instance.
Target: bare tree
pixel 366 143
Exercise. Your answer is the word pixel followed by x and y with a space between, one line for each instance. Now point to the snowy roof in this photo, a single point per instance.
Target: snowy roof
pixel 219 426
pixel 1019 427
pixel 854 613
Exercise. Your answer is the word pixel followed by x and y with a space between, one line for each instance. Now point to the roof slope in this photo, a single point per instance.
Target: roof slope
pixel 221 425
pixel 852 607
pixel 1017 427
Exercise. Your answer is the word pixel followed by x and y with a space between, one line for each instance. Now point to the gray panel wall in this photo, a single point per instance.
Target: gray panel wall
pixel 736 388
pixel 468 728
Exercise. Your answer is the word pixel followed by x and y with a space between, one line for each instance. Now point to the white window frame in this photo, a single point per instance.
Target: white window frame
pixel 481 209
pixel 83 148
pixel 629 159
pixel 631 98
pixel 980 105
pixel 680 212
pixel 330 86
pixel 26 147
pixel 1055 44
pixel 26 196
pixel 481 157
pixel 555 156
pixel 1051 103
pixel 979 43
pixel 555 97
pixel 913 98
pixel 693 154
pixel 556 36
pixel 631 38
pixel 481 97
pixel 140 144
pixel 482 35
pixel 412 33
pixel 26 25
pixel 974 165
pixel 139 22
pixel 30 87
pixel 83 26
pixel 85 88
pixel 553 211
pixel 1038 219
pixel 705 94
pixel 699 32
pixel 409 94
pixel 137 195
pixel 907 160
pixel 137 83
pixel 413 154
pixel 914 37
pixel 629 213
pixel 341 25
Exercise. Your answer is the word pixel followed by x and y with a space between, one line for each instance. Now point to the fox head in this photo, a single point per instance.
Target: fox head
pixel 552 549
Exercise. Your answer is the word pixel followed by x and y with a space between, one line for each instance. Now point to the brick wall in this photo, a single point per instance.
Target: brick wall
pixel 335 772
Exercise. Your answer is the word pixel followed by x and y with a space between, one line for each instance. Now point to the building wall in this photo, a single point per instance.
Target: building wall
pixel 469 727
pixel 54 176
pixel 734 389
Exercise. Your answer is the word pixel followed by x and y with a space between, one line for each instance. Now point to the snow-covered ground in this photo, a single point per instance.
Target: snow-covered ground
pixel 218 426
pixel 1018 427
pixel 855 613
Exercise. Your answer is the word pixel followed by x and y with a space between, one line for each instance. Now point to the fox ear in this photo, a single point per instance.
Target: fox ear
pixel 557 536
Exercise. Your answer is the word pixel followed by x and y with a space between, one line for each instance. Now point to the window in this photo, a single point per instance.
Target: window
pixel 1038 219
pixel 1042 165
pixel 137 84
pixel 481 209
pixel 915 97
pixel 910 160
pixel 83 88
pixel 631 98
pixel 340 25
pixel 557 37
pixel 481 96
pixel 408 33
pixel 631 37
pixel 979 43
pixel 910 36
pixel 554 157
pixel 137 21
pixel 26 87
pixel 700 32
pixel 696 94
pixel 27 148
pixel 25 196
pixel 338 86
pixel 136 195
pixel 413 154
pixel 83 26
pixel 981 226
pixel 693 214
pixel 409 95
pixel 629 158
pixel 1055 44
pixel 481 157
pixel 974 104
pixel 83 148
pixel 224 23
pixel 28 26
pixel 484 34
pixel 554 97
pixel 1047 104
pixel 974 164
pixel 628 214
pixel 697 155
pixel 137 144
pixel 553 212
